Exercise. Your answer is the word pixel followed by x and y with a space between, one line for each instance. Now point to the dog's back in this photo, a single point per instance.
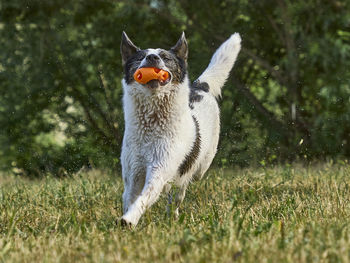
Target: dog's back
pixel 172 129
pixel 204 92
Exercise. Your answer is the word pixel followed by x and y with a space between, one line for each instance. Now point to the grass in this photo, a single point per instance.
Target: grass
pixel 281 214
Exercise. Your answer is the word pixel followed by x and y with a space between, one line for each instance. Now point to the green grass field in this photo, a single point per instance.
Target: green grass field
pixel 282 214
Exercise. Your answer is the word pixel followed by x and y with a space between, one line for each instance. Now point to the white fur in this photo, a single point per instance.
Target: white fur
pixel 160 131
pixel 216 73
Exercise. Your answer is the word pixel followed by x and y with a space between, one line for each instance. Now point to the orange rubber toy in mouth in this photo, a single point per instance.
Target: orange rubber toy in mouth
pixel 144 75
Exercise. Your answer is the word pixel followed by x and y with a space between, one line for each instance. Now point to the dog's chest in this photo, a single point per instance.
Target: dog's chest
pixel 156 116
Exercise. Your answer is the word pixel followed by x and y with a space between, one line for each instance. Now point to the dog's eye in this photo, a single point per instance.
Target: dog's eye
pixel 166 59
pixel 139 56
pixel 139 59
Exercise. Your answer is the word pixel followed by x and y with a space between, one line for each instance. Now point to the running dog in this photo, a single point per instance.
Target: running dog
pixel 171 127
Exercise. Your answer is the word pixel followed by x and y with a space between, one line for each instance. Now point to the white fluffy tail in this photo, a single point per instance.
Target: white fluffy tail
pixel 221 64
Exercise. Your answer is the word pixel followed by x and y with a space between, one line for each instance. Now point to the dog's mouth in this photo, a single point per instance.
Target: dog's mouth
pixel 157 83
pixel 152 77
pixel 154 83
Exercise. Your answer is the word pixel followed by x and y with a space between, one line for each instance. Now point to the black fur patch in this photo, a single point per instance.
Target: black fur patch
pixel 195 95
pixel 197 85
pixel 192 156
pixel 132 64
pixel 176 65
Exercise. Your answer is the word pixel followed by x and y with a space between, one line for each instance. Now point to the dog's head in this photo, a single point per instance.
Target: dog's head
pixel 173 61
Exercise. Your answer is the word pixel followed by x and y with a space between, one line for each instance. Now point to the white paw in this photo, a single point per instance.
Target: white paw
pixel 177 213
pixel 124 223
pixel 130 219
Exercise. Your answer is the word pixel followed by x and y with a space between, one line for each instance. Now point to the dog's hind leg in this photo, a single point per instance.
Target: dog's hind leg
pixel 168 192
pixel 180 195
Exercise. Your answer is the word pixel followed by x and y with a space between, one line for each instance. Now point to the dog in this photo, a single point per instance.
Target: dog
pixel 171 127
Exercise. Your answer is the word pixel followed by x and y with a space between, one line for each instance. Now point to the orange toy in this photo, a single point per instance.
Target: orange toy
pixel 144 75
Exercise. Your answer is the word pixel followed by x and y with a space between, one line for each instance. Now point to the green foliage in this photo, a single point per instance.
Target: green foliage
pixel 60 74
pixel 284 214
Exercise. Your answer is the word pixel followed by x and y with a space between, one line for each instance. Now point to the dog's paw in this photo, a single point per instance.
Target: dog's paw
pixel 176 213
pixel 124 223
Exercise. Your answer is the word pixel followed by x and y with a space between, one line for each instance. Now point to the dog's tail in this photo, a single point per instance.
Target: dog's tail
pixel 221 64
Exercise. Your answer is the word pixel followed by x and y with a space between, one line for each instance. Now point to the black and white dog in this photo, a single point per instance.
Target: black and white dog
pixel 171 127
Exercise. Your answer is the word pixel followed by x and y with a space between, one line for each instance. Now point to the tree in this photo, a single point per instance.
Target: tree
pixel 60 74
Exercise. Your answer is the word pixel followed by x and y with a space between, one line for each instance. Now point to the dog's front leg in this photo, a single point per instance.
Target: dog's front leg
pixel 133 184
pixel 155 182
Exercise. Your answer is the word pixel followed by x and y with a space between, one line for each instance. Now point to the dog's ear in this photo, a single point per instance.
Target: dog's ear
pixel 181 48
pixel 127 48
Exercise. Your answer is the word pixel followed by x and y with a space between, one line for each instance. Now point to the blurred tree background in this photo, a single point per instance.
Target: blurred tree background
pixel 60 77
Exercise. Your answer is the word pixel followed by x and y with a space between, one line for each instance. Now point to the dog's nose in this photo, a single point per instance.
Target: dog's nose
pixel 152 58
